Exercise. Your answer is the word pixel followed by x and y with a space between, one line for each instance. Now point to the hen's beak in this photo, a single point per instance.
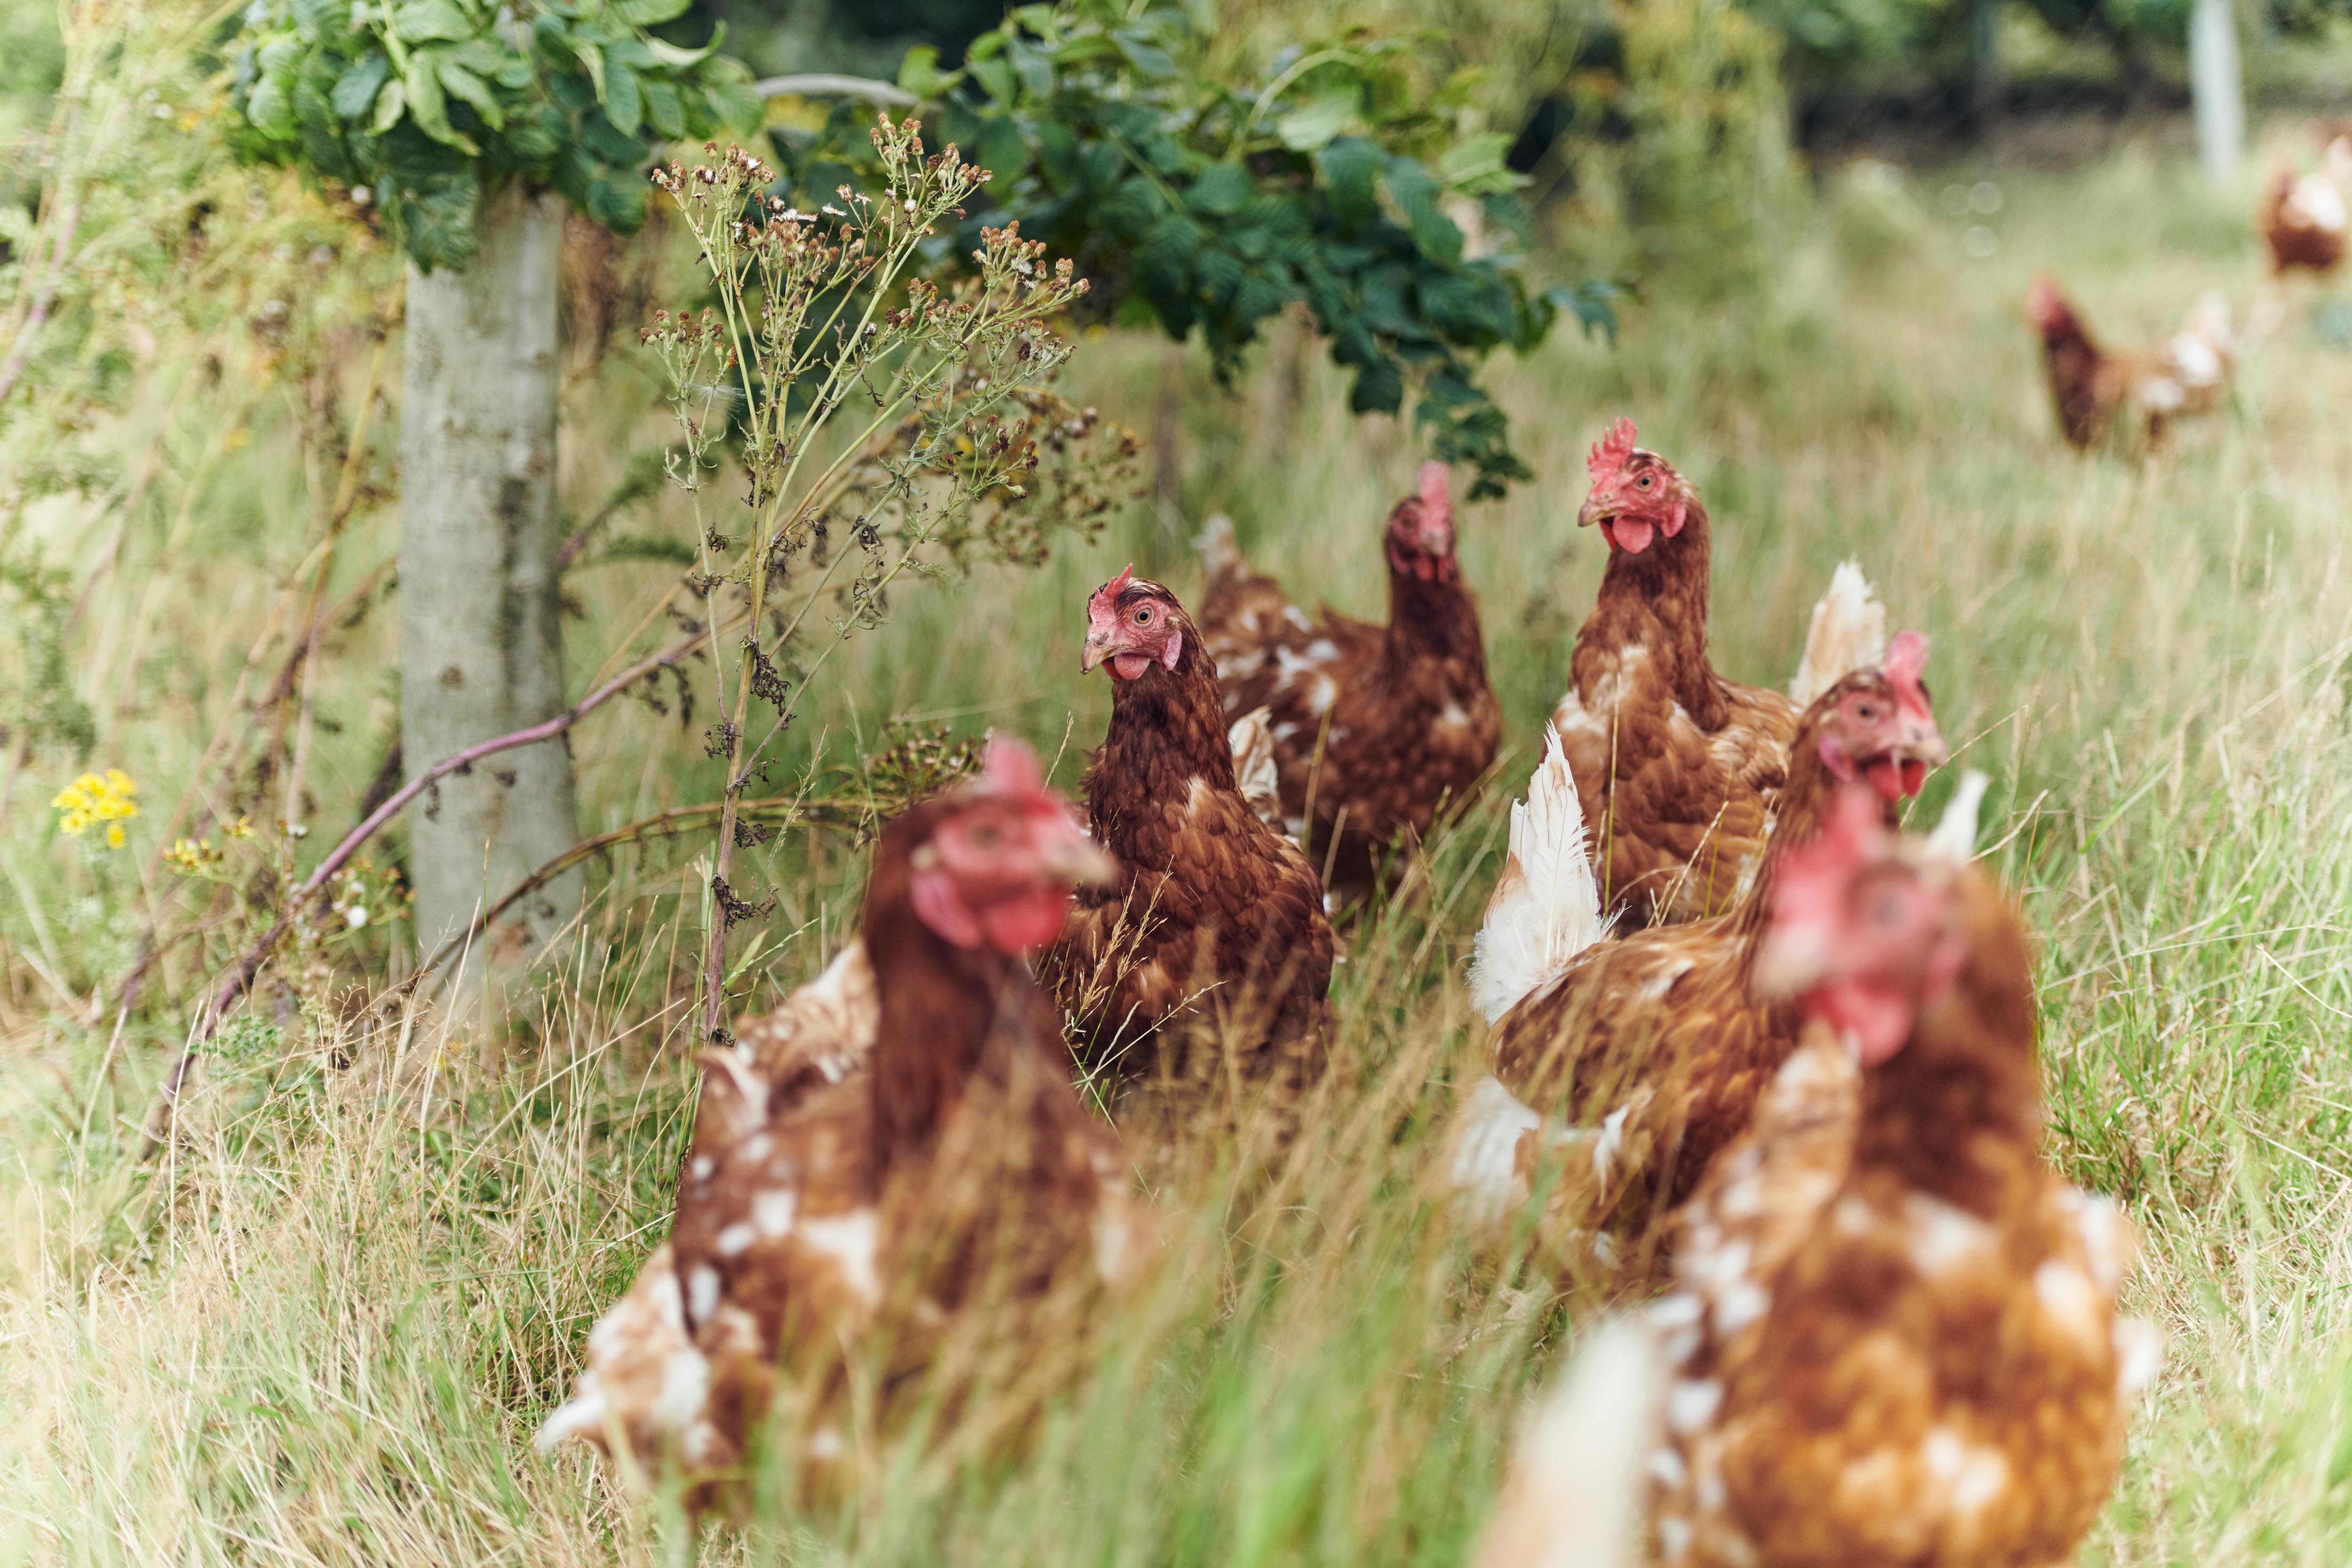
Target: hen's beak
pixel 1098 649
pixel 1597 507
pixel 1080 862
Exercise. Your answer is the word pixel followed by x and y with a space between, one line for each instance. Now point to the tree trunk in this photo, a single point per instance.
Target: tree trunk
pixel 481 647
pixel 1985 86
pixel 2219 88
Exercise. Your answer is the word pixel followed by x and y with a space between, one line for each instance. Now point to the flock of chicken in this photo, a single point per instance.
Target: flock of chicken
pixel 2102 394
pixel 1758 1056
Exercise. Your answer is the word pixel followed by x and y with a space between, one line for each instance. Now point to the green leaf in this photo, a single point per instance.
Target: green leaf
pixel 422 21
pixel 271 109
pixel 592 59
pixel 1379 389
pixel 993 75
pixel 1001 151
pixel 1144 52
pixel 1129 209
pixel 649 13
pixel 1033 66
pixel 1416 196
pixel 681 59
pixel 604 139
pixel 1163 259
pixel 618 204
pixel 624 105
pixel 390 104
pixel 1057 153
pixel 1352 175
pixel 356 88
pixel 663 113
pixel 537 133
pixel 1312 127
pixel 1221 189
pixel 435 219
pixel 429 109
pixel 459 82
pixel 1475 163
pixel 920 74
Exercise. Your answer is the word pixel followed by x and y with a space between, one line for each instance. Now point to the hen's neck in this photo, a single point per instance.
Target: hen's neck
pixel 938 1006
pixel 1432 621
pixel 1166 728
pixel 1956 1112
pixel 1799 817
pixel 1658 598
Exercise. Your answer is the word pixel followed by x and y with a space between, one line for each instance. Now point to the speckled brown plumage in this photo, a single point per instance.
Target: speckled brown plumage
pixel 1656 1039
pixel 1216 919
pixel 1895 1344
pixel 1404 715
pixel 823 1217
pixel 1677 767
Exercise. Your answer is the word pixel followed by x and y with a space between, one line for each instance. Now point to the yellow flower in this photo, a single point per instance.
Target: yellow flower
pixel 92 799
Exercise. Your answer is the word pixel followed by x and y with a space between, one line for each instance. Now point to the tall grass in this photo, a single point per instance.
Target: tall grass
pixel 321 1328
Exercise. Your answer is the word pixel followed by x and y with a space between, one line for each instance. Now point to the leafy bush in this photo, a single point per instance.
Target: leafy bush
pixel 1341 181
pixel 419 106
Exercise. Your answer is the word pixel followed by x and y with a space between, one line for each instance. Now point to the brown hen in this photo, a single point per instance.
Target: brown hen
pixel 1645 1056
pixel 2303 219
pixel 1896 1341
pixel 2099 395
pixel 1676 767
pixel 1213 929
pixel 1375 728
pixel 826 1217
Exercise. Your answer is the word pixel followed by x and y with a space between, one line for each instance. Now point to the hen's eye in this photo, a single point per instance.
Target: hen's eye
pixel 1142 617
pixel 1866 712
pixel 983 837
pixel 1644 482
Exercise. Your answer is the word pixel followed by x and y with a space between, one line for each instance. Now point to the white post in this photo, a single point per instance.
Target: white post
pixel 481 648
pixel 2220 88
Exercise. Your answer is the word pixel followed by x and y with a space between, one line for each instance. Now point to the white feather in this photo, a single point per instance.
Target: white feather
pixel 1485 1166
pixel 1574 1494
pixel 1955 838
pixel 1546 907
pixel 1848 633
pixel 1252 738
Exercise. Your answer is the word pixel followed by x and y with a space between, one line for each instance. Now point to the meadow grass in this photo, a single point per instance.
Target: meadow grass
pixel 322 1326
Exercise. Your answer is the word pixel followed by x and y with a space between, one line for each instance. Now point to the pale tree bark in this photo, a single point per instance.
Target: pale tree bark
pixel 481 650
pixel 2219 88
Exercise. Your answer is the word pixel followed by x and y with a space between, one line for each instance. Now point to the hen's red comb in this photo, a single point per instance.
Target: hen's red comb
pixel 1608 453
pixel 1011 768
pixel 1906 661
pixel 1116 585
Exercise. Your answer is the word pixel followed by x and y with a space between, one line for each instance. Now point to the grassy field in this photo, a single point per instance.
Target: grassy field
pixel 322 1327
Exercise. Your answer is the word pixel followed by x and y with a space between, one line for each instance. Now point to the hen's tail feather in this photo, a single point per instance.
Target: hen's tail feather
pixel 1955 838
pixel 1546 907
pixel 1848 633
pixel 1252 738
pixel 1220 556
pixel 1573 1497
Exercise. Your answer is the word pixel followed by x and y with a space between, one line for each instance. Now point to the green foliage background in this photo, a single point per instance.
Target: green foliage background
pixel 424 105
